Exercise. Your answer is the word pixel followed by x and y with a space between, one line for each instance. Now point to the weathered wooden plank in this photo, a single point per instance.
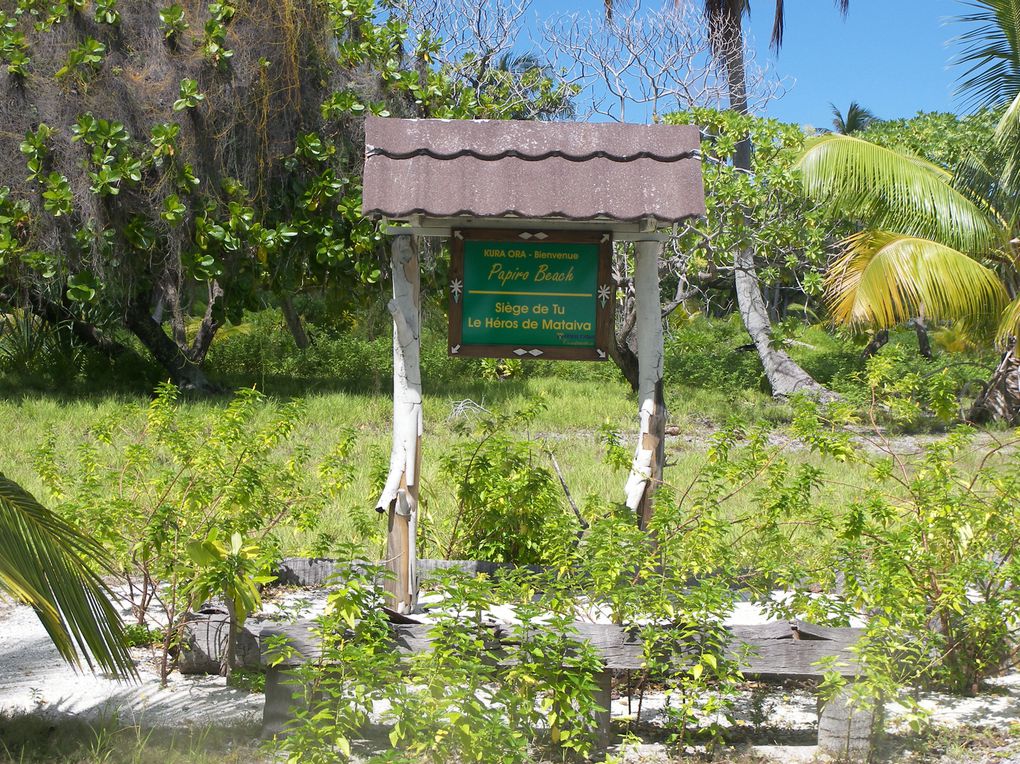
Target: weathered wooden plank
pixel 759 652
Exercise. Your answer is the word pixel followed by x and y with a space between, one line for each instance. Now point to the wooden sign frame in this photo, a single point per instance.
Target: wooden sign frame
pixel 605 297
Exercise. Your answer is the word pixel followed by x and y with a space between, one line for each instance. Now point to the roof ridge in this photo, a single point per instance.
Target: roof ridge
pixel 517 154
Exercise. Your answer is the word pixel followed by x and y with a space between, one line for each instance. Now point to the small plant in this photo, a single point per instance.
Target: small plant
pixel 142 635
pixel 13 46
pixel 113 164
pixel 85 58
pixel 188 96
pixel 57 198
pixel 502 368
pixel 247 680
pixel 35 149
pixel 163 139
pixel 173 23
pixel 509 506
pixel 106 12
pixel 215 34
pixel 187 505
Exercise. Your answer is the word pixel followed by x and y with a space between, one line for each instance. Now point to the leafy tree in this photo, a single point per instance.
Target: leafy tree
pixel 857 119
pixel 43 563
pixel 767 212
pixel 942 138
pixel 167 208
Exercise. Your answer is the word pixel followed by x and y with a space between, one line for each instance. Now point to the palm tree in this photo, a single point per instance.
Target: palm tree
pixel 857 119
pixel 725 23
pixel 43 564
pixel 933 241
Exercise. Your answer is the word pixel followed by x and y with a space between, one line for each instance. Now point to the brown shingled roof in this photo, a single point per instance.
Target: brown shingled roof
pixel 493 169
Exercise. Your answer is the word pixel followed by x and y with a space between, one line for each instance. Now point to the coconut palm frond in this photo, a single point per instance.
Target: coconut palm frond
pixel 42 564
pixel 1009 324
pixel 1007 146
pixel 991 53
pixel 885 278
pixel 893 191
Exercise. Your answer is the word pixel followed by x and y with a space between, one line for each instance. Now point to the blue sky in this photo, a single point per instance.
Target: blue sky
pixel 891 56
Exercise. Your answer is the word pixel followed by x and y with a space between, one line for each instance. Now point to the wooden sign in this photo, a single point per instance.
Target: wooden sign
pixel 528 294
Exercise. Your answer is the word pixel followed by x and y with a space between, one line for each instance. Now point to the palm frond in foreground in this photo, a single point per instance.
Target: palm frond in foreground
pixel 42 563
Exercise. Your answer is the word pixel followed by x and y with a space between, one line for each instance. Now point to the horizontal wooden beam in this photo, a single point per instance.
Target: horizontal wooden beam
pixel 768 651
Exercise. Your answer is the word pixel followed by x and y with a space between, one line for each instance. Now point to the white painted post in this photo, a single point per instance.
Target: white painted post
pixel 400 494
pixel 646 470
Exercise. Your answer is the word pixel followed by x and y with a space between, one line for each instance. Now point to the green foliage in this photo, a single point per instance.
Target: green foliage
pixel 173 22
pixel 83 59
pixel 215 34
pixel 766 211
pixel 159 497
pixel 47 564
pixel 189 97
pixel 235 572
pixel 13 47
pixel 142 635
pixel 106 12
pixel 926 551
pixel 941 138
pixel 705 353
pixel 509 505
pixel 462 700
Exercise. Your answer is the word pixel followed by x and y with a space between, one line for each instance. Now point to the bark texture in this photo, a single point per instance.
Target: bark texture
pixel 399 497
pixel 183 371
pixel 294 323
pixel 879 340
pixel 60 314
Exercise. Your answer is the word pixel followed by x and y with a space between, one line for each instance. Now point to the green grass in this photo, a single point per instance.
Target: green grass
pixel 568 426
pixel 344 380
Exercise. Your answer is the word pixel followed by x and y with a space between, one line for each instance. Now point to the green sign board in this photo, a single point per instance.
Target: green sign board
pixel 524 294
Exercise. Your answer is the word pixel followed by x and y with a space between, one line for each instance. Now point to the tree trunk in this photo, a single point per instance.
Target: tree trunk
pixel 207 329
pixel 920 327
pixel 56 314
pixel 1000 400
pixel 184 373
pixel 625 358
pixel 297 329
pixel 876 343
pixel 784 375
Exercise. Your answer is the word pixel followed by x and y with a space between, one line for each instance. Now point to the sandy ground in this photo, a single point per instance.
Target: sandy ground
pixel 34 678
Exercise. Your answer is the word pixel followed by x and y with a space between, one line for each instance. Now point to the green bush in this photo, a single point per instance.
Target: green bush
pixel 509 504
pixel 159 494
pixel 703 352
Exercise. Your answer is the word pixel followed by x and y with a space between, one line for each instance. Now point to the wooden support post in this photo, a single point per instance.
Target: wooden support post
pixel 399 498
pixel 847 732
pixel 604 699
pixel 646 471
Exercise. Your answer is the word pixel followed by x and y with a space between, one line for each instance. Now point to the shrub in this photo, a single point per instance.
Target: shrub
pixel 158 497
pixel 509 506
